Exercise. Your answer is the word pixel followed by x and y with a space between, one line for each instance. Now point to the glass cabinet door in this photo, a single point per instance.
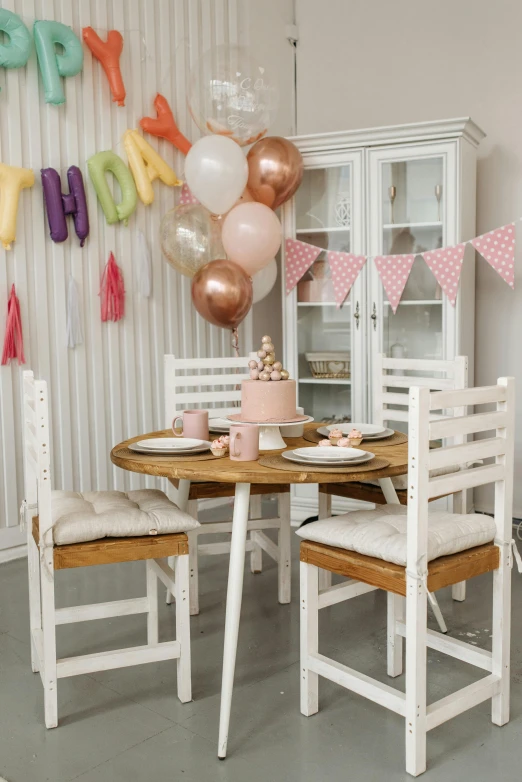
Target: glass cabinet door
pixel 412 209
pixel 327 214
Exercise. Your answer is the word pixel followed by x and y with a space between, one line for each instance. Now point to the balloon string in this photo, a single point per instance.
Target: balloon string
pixel 235 342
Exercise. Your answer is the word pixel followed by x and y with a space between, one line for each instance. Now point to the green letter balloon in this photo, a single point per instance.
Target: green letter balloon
pixel 98 164
pixel 53 65
pixel 15 53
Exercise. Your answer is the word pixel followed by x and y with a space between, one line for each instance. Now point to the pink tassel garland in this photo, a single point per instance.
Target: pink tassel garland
pixel 112 292
pixel 14 341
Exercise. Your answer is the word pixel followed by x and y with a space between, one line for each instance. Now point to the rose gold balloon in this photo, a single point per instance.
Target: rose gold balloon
pixel 222 293
pixel 275 170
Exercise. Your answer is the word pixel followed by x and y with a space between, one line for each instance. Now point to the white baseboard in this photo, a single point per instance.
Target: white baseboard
pixel 9 554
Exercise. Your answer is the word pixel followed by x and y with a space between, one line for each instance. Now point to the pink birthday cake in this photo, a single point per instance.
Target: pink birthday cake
pixel 269 396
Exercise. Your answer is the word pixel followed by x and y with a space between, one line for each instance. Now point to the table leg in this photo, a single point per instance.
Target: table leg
pixel 182 503
pixel 388 489
pixel 233 610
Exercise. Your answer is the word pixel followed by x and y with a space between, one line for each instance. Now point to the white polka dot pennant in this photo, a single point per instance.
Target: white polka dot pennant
pixel 446 265
pixel 498 249
pixel 344 267
pixel 394 271
pixel 186 196
pixel 299 256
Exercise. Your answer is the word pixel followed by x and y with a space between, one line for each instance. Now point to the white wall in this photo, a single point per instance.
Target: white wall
pixel 263 24
pixel 110 387
pixel 365 63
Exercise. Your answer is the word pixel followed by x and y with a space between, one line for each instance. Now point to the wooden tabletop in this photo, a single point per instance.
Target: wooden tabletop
pixel 227 471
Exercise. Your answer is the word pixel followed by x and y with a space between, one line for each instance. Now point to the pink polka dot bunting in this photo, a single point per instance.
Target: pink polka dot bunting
pixel 299 256
pixel 498 249
pixel 394 271
pixel 344 267
pixel 186 196
pixel 446 265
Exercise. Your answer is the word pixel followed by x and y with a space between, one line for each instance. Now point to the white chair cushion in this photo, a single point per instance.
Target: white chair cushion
pixel 92 515
pixel 381 533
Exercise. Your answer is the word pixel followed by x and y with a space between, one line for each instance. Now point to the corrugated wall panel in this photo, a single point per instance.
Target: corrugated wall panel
pixel 111 386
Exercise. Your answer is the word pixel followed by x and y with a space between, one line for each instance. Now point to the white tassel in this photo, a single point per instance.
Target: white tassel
pixel 144 266
pixel 74 326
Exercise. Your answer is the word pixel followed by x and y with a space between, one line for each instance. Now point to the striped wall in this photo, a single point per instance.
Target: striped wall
pixel 111 386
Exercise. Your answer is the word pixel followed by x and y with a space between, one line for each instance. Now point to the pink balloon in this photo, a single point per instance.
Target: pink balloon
pixel 251 236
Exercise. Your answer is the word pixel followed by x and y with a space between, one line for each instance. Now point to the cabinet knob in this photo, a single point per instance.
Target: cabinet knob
pixel 357 315
pixel 373 316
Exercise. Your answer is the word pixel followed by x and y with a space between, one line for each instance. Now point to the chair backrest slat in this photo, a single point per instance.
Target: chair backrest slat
pixel 214 390
pixel 393 374
pixel 36 451
pixel 499 446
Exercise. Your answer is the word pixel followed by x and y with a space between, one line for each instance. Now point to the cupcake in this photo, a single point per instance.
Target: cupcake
pixel 335 435
pixel 355 437
pixel 324 443
pixel 343 442
pixel 218 447
pixel 225 439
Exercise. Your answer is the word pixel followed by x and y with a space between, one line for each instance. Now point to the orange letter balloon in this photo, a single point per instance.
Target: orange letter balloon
pixel 165 126
pixel 108 53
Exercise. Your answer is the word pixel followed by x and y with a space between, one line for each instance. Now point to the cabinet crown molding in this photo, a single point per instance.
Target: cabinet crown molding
pixel 460 127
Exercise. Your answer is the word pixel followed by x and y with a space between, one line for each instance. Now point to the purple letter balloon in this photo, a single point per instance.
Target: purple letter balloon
pixel 59 206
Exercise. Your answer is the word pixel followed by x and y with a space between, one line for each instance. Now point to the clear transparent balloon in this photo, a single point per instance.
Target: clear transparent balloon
pixel 190 238
pixel 232 94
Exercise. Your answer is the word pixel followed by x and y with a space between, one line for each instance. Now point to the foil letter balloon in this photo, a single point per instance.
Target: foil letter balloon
pixel 59 205
pixel 108 53
pixel 14 53
pixel 12 180
pixel 146 166
pixel 164 125
pixel 52 64
pixel 98 164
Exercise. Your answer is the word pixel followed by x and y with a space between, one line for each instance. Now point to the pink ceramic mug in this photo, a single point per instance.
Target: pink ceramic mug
pixel 195 424
pixel 244 442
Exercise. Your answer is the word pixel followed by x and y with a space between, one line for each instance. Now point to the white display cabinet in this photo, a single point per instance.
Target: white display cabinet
pixel 387 191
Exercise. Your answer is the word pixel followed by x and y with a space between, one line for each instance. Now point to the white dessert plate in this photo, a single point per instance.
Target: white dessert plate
pixel 219 425
pixel 202 445
pixel 325 431
pixel 291 456
pixel 364 429
pixel 170 443
pixel 330 454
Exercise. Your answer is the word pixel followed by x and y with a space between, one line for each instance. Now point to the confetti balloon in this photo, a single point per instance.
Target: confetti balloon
pixel 190 238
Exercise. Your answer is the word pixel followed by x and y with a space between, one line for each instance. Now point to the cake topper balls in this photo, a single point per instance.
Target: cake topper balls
pixel 265 367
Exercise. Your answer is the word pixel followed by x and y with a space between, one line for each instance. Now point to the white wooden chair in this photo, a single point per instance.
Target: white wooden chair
pixel 431 549
pixel 55 518
pixel 214 384
pixel 394 378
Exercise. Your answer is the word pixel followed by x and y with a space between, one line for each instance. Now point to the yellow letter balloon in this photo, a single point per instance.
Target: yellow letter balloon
pixel 12 181
pixel 146 166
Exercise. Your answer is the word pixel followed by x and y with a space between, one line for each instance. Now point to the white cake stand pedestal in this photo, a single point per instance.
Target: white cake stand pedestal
pixel 270 435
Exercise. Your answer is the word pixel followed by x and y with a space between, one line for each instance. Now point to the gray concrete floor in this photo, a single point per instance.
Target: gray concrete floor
pixel 128 724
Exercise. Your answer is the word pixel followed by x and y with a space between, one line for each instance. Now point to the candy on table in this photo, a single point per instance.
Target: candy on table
pixel 324 443
pixel 265 367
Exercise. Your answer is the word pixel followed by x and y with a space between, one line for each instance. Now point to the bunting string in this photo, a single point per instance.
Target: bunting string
pixel 497 247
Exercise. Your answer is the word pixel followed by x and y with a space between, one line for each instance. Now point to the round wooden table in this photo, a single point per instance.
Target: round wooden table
pixel 243 474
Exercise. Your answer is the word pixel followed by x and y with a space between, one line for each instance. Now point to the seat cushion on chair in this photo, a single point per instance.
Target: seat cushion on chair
pixel 381 533
pixel 92 515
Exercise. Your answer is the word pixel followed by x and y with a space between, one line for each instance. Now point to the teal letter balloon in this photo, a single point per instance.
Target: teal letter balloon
pixel 98 164
pixel 14 53
pixel 53 65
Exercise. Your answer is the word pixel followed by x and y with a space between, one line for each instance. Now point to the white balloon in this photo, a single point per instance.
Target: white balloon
pixel 264 280
pixel 216 171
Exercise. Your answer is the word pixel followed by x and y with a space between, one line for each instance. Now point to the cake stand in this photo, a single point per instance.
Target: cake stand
pixel 270 438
